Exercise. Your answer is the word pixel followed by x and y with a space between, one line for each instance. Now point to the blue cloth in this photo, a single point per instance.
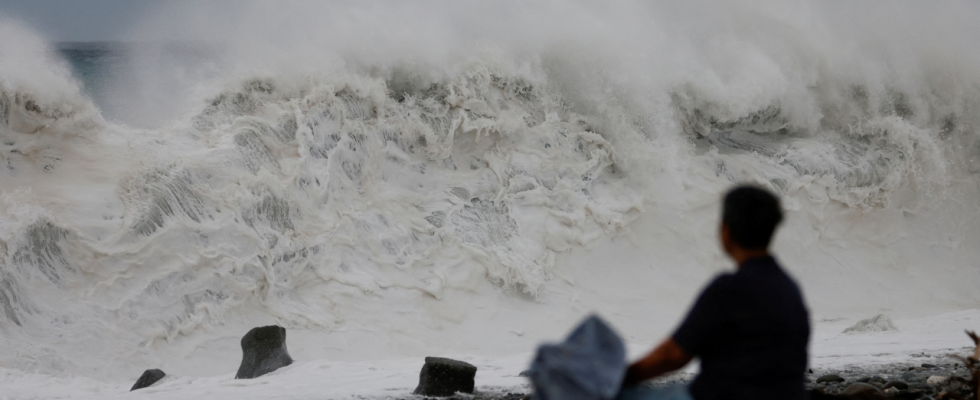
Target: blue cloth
pixel 641 392
pixel 750 331
pixel 589 365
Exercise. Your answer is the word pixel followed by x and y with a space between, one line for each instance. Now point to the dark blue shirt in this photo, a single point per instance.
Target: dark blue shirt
pixel 750 331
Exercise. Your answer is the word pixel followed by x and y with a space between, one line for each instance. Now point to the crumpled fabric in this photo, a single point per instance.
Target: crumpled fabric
pixel 589 365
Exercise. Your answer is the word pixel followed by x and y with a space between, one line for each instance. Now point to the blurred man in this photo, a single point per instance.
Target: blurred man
pixel 749 329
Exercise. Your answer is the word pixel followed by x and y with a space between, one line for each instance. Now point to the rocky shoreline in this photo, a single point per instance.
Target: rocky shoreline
pixel 912 380
pixel 901 381
pixel 922 376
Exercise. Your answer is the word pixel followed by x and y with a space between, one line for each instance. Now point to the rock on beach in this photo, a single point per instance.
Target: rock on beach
pixel 830 378
pixel 445 377
pixel 148 378
pixel 263 351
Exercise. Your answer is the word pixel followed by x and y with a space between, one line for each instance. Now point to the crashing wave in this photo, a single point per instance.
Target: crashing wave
pixel 343 197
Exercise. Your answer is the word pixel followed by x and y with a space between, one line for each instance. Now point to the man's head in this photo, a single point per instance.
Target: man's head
pixel 749 218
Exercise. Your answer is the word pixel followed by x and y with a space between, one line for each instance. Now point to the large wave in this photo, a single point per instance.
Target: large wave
pixel 361 180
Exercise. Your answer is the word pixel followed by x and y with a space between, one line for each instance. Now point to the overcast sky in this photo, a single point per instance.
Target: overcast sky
pixel 80 20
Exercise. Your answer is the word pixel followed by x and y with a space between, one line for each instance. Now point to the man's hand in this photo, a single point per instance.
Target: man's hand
pixel 665 358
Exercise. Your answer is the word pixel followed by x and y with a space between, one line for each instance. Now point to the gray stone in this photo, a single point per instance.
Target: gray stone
pixel 900 385
pixel 877 379
pixel 863 379
pixel 914 376
pixel 148 378
pixel 445 377
pixel 856 388
pixel 830 378
pixel 263 351
pixel 922 387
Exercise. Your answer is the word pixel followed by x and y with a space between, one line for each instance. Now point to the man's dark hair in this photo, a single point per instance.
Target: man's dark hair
pixel 751 214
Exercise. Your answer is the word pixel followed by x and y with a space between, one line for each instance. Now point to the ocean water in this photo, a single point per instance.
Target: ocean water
pixel 391 181
pixel 111 75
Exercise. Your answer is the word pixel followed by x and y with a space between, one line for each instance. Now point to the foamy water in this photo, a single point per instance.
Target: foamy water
pixel 390 181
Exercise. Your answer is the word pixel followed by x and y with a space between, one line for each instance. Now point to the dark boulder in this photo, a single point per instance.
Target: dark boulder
pixel 445 377
pixel 916 376
pixel 897 385
pixel 830 378
pixel 148 378
pixel 856 388
pixel 263 351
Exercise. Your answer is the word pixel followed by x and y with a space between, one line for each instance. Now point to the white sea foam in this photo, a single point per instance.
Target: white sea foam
pixel 878 323
pixel 392 180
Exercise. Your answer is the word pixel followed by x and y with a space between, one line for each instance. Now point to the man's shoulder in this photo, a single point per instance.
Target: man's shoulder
pixel 721 282
pixel 724 277
pixel 786 277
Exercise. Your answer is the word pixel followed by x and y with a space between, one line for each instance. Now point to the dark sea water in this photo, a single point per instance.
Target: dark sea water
pixel 140 84
pixel 95 64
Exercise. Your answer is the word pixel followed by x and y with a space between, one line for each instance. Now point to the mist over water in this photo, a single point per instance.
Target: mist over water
pixel 141 84
pixel 389 178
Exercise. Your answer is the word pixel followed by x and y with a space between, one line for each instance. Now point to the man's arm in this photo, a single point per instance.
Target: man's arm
pixel 667 357
pixel 694 332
